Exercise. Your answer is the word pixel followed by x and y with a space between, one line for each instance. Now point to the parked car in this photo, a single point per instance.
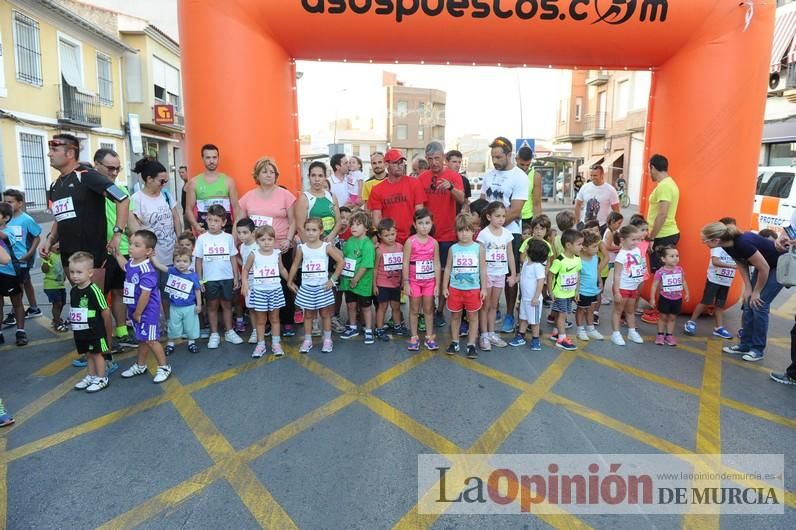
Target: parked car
pixel 775 197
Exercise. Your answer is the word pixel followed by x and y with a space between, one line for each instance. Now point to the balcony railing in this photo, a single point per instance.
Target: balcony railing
pixel 636 120
pixel 595 125
pixel 791 79
pixel 79 108
pixel 597 77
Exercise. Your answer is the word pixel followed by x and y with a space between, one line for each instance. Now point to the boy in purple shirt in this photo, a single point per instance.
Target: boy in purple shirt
pixel 142 297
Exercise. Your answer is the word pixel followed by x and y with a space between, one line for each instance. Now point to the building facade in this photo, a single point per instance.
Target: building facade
pixel 416 116
pixel 779 131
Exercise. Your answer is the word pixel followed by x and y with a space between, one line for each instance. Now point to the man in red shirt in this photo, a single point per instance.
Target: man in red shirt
pixel 397 197
pixel 444 190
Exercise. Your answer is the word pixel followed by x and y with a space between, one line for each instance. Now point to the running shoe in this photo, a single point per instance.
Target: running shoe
pixel 169 349
pixel 306 346
pixel 650 316
pixel 518 340
pixel 287 330
pixel 414 344
pixel 536 344
pixel 368 338
pixel 439 320
pixel 464 328
pixel 421 323
pixel 485 345
pixel 660 340
pixel 84 383
pixel 431 344
pixel 616 338
pixel 193 348
pixel 240 326
pixel 349 333
pixel 453 348
pixel 214 341
pixel 162 374
pixel 22 337
pixel 497 341
pixel 594 334
pixel 783 378
pixel 670 340
pixel 382 335
pixel 508 324
pixel 253 337
pixel 337 326
pixel 98 384
pixel 472 353
pixel 232 337
pixel 134 370
pixel 278 351
pixel 690 328
pixel 80 362
pixel 566 344
pixel 753 356
pixel 633 335
pixel 327 346
pixel 33 312
pixel 259 351
pixel 722 333
pixel 735 349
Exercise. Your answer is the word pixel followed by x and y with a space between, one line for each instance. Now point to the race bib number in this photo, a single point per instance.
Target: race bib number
pixel 64 209
pixel 215 252
pixel 465 263
pixel 266 277
pixel 78 316
pixel 350 268
pixel 424 270
pixel 725 273
pixel 393 261
pixel 672 283
pixel 568 282
pixel 262 220
pixel 497 256
pixel 637 271
pixel 179 288
pixel 128 296
pixel 313 269
pixel 204 204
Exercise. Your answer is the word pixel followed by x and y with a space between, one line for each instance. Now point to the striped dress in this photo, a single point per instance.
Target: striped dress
pixel 266 293
pixel 314 274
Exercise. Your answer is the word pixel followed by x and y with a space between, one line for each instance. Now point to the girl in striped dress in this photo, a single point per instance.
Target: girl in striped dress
pixel 315 294
pixel 263 289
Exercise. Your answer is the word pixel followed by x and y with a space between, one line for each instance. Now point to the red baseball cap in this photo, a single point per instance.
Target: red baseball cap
pixel 394 155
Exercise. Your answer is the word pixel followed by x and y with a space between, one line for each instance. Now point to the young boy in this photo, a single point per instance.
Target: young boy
pixel 721 273
pixel 214 253
pixel 532 281
pixel 357 280
pixel 465 285
pixel 54 285
pixel 186 242
pixel 91 321
pixel 185 296
pixel 142 297
pixel 590 286
pixel 342 236
pixel 564 277
pixel 565 220
pixel 27 233
pixel 10 283
pixel 245 229
pixel 387 280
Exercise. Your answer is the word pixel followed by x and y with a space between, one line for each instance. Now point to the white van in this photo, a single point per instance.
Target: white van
pixel 775 198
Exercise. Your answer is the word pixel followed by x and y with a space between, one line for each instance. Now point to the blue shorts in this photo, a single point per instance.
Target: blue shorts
pixel 56 296
pixel 562 305
pixel 145 332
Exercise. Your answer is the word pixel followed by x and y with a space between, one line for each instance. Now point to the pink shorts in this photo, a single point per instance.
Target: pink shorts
pixel 422 288
pixel 495 281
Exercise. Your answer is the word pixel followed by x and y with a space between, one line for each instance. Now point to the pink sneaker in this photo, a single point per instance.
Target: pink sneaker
pixel 306 346
pixel 670 340
pixel 327 346
pixel 659 340
pixel 278 351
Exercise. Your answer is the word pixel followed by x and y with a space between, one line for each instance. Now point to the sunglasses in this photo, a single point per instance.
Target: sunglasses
pixel 112 169
pixel 55 144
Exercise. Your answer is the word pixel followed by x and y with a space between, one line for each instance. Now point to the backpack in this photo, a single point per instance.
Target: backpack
pixel 786 268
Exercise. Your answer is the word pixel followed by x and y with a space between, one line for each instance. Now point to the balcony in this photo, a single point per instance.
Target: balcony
pixel 597 77
pixel 569 131
pixel 78 108
pixel 595 125
pixel 636 120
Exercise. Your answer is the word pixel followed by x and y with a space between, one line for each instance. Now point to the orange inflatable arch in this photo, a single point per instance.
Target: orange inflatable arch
pixel 709 60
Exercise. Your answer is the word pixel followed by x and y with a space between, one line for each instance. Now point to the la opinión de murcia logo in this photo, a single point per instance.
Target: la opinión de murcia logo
pixel 612 12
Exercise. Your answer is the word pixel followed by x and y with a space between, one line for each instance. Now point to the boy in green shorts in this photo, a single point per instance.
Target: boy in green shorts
pixel 357 279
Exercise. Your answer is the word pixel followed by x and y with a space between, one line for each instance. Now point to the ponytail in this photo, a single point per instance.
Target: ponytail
pixel 720 231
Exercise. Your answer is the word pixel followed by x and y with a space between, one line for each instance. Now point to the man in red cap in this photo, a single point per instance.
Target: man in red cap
pixel 397 197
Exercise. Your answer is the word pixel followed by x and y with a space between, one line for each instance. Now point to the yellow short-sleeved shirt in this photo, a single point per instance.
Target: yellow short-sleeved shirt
pixel 367 187
pixel 666 190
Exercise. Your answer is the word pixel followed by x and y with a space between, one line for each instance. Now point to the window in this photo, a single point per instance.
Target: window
pixel 105 145
pixel 775 184
pixel 641 89
pixel 402 109
pixel 166 80
pixel 420 133
pixel 71 57
pixel 27 49
pixel 578 108
pixel 622 101
pixel 105 79
pixel 601 109
pixel 781 154
pixel 33 169
pixel 563 110
pixel 401 132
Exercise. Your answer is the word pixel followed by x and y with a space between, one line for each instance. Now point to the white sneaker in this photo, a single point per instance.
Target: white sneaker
pixel 497 341
pixel 594 334
pixel 486 345
pixel 162 374
pixel 616 338
pixel 232 337
pixel 98 384
pixel 85 382
pixel 253 337
pixel 316 328
pixel 633 335
pixel 213 341
pixel 582 335
pixel 259 351
pixel 134 370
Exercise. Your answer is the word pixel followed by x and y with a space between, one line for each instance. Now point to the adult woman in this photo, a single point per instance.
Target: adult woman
pixel 152 208
pixel 318 202
pixel 269 204
pixel 749 250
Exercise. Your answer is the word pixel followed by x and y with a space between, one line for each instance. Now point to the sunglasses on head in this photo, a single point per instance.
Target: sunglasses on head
pixel 54 144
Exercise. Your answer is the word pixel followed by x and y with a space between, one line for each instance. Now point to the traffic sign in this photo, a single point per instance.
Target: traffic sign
pixel 525 142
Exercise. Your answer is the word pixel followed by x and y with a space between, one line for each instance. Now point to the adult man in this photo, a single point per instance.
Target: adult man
pixel 337 181
pixel 209 188
pixel 183 173
pixel 509 185
pixel 598 196
pixel 78 204
pixel 397 197
pixel 661 214
pixel 108 164
pixel 453 159
pixel 379 174
pixel 419 165
pixel 444 191
pixel 533 206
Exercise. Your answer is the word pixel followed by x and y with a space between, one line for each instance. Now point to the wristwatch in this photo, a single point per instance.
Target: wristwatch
pixel 118 230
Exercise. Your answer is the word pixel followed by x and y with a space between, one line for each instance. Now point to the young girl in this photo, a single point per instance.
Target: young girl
pixel 315 293
pixel 499 262
pixel 421 272
pixel 629 270
pixel 387 280
pixel 639 222
pixel 263 289
pixel 532 281
pixel 611 246
pixel 590 286
pixel 673 288
pixel 354 180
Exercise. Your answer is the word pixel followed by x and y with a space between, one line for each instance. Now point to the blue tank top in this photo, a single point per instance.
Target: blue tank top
pixel 465 266
pixel 588 277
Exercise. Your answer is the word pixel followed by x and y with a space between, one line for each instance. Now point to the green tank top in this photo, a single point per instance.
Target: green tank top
pixel 208 194
pixel 323 208
pixel 527 208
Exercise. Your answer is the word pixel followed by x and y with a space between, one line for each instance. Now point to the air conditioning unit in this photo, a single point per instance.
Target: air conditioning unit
pixel 777 82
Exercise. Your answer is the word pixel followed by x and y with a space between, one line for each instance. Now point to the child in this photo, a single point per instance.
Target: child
pixel 564 277
pixel 629 270
pixel 673 288
pixel 527 232
pixel 565 220
pixel 342 236
pixel 611 246
pixel 465 284
pixel 27 234
pixel 315 294
pixel 357 281
pixel 532 281
pixel 421 277
pixel 91 321
pixel 10 282
pixel 354 180
pixel 540 230
pixel 721 272
pixel 387 280
pixel 477 208
pixel 594 227
pixel 262 288
pixel 214 252
pixel 54 285
pixel 244 228
pixel 142 297
pixel 590 286
pixel 186 241
pixel 185 297
pixel 497 243
pixel 5 416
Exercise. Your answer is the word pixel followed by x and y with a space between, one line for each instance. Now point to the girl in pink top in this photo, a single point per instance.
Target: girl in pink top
pixel 673 289
pixel 387 280
pixel 421 277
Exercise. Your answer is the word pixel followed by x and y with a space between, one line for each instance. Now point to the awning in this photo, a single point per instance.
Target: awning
pixel 783 39
pixel 779 132
pixel 611 160
pixel 596 159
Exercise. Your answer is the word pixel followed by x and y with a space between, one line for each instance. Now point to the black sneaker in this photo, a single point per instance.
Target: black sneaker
pixel 116 346
pixel 596 318
pixel 10 320
pixel 169 349
pixel 783 378
pixel 128 341
pixel 33 312
pixel 382 335
pixel 22 338
pixel 472 353
pixel 193 348
pixel 453 349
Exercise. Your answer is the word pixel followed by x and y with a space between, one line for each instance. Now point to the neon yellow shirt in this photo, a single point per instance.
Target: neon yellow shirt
pixel 666 190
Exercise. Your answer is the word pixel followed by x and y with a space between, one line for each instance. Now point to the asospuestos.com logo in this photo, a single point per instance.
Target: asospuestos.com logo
pixel 601 484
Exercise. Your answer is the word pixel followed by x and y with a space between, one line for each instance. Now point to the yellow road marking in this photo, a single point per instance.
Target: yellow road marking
pixel 728 359
pixel 40 342
pixel 41 403
pixel 786 310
